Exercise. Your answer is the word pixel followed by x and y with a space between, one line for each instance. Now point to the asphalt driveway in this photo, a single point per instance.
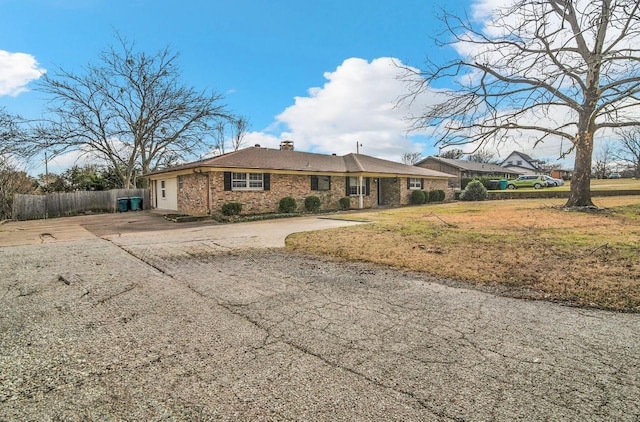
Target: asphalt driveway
pixel 191 324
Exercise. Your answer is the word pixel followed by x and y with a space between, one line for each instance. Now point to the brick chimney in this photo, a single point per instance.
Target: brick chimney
pixel 286 146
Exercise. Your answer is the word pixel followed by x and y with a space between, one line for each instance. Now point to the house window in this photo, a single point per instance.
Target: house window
pixel 415 183
pixel 509 163
pixel 354 189
pixel 519 162
pixel 163 190
pixel 320 182
pixel 247 181
pixel 179 182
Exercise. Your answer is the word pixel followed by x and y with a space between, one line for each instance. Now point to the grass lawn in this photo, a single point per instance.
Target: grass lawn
pixel 612 184
pixel 600 184
pixel 526 248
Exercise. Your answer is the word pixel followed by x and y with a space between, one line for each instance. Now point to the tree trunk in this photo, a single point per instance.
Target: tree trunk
pixel 580 195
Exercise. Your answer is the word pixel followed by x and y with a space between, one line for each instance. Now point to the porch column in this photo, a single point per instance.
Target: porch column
pixel 360 197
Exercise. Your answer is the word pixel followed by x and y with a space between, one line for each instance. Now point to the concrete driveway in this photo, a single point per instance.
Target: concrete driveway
pixel 187 324
pixel 146 226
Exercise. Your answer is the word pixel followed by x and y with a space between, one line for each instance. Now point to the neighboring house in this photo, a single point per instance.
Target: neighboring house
pixel 465 169
pixel 521 163
pixel 259 178
pixel 562 174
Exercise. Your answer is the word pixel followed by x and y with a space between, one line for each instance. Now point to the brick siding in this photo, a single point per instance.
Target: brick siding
pixel 193 198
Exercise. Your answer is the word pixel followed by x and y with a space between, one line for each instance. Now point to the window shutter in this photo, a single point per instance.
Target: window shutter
pixel 347 185
pixel 408 183
pixel 422 184
pixel 227 180
pixel 367 186
pixel 314 182
pixel 266 181
pixel 329 182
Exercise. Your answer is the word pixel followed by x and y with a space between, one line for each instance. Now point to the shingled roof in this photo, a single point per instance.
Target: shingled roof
pixel 259 158
pixel 471 165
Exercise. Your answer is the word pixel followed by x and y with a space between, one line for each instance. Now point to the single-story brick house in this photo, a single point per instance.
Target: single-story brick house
pixel 259 178
pixel 466 169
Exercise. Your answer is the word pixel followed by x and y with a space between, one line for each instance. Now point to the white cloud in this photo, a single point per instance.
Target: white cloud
pixel 357 104
pixel 16 71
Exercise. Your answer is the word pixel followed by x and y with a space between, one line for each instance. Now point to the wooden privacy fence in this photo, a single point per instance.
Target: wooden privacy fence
pixel 61 204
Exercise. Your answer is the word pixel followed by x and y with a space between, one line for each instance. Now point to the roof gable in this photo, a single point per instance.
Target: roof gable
pixel 515 155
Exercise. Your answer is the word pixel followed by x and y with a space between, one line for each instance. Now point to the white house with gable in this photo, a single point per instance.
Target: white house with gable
pixel 521 163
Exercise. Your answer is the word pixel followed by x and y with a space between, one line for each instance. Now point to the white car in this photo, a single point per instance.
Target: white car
pixel 551 181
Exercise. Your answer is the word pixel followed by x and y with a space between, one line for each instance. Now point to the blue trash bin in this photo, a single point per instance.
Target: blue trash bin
pixel 123 204
pixel 136 203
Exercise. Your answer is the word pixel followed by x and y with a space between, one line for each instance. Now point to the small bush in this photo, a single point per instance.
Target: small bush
pixel 231 208
pixel 345 203
pixel 417 197
pixel 312 203
pixel 433 196
pixel 486 181
pixel 426 196
pixel 475 191
pixel 441 195
pixel 287 205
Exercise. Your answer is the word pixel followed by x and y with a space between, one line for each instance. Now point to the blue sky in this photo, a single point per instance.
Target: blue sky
pixel 319 73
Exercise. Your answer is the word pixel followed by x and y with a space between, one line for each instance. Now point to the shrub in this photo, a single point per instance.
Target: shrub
pixel 433 196
pixel 486 181
pixel 441 195
pixel 287 205
pixel 475 191
pixel 417 197
pixel 426 196
pixel 231 208
pixel 345 203
pixel 464 182
pixel 312 203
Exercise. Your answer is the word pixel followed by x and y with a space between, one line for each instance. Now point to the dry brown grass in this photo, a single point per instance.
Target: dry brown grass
pixel 526 248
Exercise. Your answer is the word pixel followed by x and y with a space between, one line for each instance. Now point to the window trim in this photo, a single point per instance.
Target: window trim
pixel 250 180
pixel 353 186
pixel 315 183
pixel 415 183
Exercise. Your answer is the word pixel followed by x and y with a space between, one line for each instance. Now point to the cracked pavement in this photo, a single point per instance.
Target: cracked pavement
pixel 174 326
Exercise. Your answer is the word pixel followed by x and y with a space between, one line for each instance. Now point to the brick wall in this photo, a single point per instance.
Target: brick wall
pixel 192 193
pixel 282 185
pixel 193 198
pixel 429 185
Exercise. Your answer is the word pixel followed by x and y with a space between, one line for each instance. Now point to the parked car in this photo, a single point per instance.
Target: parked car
pixel 614 176
pixel 535 181
pixel 552 181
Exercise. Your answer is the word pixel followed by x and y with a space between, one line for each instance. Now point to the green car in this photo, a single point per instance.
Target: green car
pixel 527 181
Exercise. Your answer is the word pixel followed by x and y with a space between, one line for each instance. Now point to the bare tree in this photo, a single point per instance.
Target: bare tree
pixel 230 132
pixel 12 134
pixel 239 129
pixel 411 158
pixel 544 69
pixel 454 154
pixel 12 181
pixel 131 110
pixel 629 150
pixel 603 161
pixel 482 156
